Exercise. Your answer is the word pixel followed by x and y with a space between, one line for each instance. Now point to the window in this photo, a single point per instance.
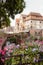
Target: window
pixel 36 33
pixel 31 21
pixel 31 26
pixel 40 21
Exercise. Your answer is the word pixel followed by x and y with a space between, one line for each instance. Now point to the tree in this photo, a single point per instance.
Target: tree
pixel 9 8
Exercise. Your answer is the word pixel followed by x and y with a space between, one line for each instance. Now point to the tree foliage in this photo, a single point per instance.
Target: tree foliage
pixel 8 8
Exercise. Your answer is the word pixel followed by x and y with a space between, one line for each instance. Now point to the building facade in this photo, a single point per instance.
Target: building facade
pixel 32 22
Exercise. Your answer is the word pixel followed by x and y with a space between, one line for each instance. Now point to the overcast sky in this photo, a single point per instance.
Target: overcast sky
pixel 32 6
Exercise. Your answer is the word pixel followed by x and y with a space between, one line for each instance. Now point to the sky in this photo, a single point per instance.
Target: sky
pixel 31 6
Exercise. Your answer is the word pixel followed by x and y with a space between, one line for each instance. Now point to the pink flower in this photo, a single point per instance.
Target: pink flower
pixel 0 40
pixel 37 41
pixel 10 51
pixel 0 51
pixel 40 42
pixel 5 48
pixel 3 52
pixel 2 60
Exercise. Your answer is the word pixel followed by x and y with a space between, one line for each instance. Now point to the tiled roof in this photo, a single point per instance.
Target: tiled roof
pixel 34 16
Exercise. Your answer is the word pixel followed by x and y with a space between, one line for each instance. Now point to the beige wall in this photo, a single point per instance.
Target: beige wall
pixel 38 31
pixel 32 32
pixel 42 32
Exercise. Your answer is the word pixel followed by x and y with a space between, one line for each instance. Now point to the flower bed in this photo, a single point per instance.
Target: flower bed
pixel 30 47
pixel 30 51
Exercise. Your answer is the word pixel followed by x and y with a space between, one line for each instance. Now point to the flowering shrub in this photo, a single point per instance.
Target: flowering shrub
pixel 31 51
pixel 2 54
pixel 31 48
